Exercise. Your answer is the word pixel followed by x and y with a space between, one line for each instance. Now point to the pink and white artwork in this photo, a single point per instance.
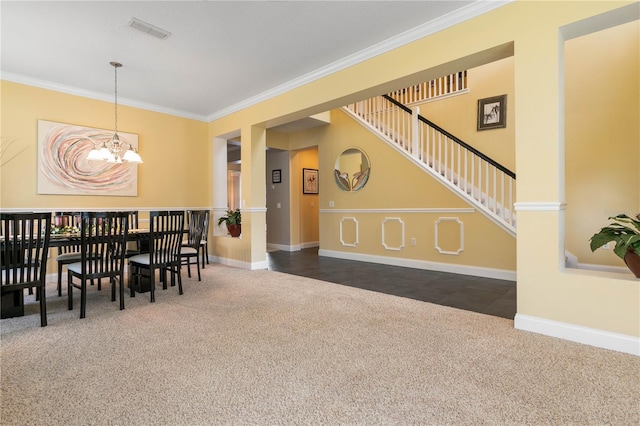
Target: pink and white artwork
pixel 63 167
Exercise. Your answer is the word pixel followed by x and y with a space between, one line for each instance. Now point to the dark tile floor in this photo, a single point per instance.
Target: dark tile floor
pixel 484 295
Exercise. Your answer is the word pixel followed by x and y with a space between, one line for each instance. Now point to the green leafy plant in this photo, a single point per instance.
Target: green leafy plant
pixel 624 231
pixel 65 229
pixel 233 217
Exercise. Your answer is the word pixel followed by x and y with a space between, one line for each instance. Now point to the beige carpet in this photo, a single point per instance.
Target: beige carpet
pixel 264 348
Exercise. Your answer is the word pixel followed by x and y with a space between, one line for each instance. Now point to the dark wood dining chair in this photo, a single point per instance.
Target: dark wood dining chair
pixel 67 253
pixel 103 241
pixel 204 243
pixel 133 247
pixel 198 220
pixel 165 239
pixel 24 250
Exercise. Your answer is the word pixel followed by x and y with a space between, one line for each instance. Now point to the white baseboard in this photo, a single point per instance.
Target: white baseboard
pixel 290 248
pixel 500 274
pixel 282 247
pixel 310 244
pixel 240 264
pixel 576 333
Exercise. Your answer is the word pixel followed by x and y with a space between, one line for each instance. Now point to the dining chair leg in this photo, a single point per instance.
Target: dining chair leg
pixel 43 306
pixel 112 281
pixel 69 294
pixel 121 287
pixel 163 277
pixel 59 280
pixel 198 266
pixel 133 281
pixel 179 280
pixel 152 284
pixel 173 276
pixel 83 299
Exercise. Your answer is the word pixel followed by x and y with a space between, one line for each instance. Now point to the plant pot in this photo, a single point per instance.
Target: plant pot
pixel 234 230
pixel 633 262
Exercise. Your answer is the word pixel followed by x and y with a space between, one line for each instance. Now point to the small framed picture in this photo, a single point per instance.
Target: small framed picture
pixel 492 112
pixel 276 176
pixel 309 181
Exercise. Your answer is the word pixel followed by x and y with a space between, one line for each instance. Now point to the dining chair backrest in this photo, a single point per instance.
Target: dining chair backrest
pixel 25 246
pixel 103 239
pixel 67 219
pixel 204 245
pixel 133 219
pixel 23 251
pixel 134 247
pixel 198 220
pixel 165 237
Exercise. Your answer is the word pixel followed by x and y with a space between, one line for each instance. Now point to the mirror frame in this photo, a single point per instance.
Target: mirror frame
pixel 359 179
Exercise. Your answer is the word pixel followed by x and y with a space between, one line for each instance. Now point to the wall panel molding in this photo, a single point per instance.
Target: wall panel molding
pixel 384 243
pixel 542 206
pixel 354 243
pixel 436 235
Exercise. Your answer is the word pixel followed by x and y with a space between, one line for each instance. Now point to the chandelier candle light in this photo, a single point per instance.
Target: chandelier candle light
pixel 112 149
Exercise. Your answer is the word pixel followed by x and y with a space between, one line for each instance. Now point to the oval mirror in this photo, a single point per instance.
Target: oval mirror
pixel 351 170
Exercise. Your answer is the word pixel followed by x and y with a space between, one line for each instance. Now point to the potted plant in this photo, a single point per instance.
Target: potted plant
pixel 233 219
pixel 625 232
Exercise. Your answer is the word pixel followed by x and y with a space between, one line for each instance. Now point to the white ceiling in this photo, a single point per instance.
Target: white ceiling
pixel 220 56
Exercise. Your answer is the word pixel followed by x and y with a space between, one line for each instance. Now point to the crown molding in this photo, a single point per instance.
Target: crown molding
pixel 474 9
pixel 16 78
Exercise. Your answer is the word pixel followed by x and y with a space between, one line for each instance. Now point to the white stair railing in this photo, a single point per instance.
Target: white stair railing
pixel 429 90
pixel 469 173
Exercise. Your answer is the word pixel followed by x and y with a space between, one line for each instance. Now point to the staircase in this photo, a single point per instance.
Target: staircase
pixel 470 174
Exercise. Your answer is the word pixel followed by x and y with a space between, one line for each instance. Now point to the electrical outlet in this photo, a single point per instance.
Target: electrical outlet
pixel 413 241
pixel 607 246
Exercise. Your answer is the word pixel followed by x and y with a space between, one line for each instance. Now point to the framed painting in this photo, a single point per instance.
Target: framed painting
pixel 309 181
pixel 63 168
pixel 492 112
pixel 276 176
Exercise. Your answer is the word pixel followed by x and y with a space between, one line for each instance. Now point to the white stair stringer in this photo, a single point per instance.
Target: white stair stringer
pixel 496 212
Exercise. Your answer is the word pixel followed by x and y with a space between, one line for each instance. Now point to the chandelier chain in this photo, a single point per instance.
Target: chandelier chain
pixel 114 150
pixel 116 99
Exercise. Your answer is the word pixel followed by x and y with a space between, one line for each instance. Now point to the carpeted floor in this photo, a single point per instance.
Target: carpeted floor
pixel 265 348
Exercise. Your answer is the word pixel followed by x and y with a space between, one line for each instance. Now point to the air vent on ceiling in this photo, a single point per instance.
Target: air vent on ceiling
pixel 149 29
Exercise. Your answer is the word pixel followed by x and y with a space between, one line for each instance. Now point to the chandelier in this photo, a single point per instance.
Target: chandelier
pixel 114 150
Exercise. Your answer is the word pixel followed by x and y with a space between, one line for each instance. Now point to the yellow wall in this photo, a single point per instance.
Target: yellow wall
pixel 602 135
pixel 175 172
pixel 531 30
pixel 305 207
pixel 397 185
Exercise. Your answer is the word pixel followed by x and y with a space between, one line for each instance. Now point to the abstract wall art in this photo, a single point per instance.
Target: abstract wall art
pixel 63 167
